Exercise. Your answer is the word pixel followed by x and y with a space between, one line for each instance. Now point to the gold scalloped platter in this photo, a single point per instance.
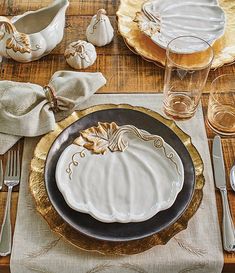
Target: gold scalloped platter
pixel 224 47
pixel 87 243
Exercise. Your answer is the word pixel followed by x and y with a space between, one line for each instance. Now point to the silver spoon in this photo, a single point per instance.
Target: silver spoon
pixel 232 177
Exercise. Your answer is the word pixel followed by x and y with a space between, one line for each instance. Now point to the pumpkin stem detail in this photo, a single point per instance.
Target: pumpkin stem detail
pixel 80 48
pixel 100 12
pixel 99 19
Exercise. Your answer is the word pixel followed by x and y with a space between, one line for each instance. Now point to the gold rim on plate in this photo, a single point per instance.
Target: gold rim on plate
pixel 224 47
pixel 57 224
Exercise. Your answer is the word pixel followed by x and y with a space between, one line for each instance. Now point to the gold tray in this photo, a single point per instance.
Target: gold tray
pixel 56 223
pixel 224 48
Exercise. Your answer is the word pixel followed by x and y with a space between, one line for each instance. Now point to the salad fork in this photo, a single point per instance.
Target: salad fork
pixel 11 179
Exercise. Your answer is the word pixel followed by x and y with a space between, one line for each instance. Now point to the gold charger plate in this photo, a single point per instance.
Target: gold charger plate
pixel 224 48
pixel 56 223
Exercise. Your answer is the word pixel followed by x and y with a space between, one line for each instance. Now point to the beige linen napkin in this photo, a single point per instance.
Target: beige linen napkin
pixel 28 109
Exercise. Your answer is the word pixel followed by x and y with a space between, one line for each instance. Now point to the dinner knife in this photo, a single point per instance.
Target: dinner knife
pixel 220 182
pixel 1 174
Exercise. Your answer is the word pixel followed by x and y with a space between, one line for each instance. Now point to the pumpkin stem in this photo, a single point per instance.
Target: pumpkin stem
pixel 100 12
pixel 80 48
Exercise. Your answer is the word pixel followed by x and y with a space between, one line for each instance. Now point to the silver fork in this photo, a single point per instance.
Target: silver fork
pixel 1 174
pixel 151 16
pixel 11 179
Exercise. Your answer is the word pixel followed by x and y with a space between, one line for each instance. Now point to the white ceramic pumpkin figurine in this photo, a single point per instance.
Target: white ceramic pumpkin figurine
pixel 80 54
pixel 100 31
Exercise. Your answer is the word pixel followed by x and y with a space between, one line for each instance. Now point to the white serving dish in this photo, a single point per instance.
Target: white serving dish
pixel 137 176
pixel 173 18
pixel 34 34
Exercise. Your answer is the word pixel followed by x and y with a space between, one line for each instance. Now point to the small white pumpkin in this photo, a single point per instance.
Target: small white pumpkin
pixel 100 31
pixel 80 54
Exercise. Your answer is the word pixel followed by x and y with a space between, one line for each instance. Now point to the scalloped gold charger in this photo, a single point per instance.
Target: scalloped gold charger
pixel 224 48
pixel 56 223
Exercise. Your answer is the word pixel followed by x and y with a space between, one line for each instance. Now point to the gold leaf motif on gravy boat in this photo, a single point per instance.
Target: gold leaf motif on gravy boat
pixel 19 42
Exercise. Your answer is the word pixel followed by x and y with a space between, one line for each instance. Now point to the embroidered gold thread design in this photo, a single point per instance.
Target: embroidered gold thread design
pixel 99 268
pixel 103 267
pixel 192 249
pixel 35 269
pixel 192 268
pixel 45 249
pixel 133 267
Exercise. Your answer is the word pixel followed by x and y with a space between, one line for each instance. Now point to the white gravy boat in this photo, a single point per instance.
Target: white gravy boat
pixel 34 34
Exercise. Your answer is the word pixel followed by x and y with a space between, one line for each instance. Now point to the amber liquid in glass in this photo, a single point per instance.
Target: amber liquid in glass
pixel 180 105
pixel 222 118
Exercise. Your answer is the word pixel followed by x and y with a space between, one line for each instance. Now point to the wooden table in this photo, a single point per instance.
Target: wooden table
pixel 124 71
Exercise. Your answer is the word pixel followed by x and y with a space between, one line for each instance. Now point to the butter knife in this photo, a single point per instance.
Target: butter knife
pixel 1 174
pixel 220 182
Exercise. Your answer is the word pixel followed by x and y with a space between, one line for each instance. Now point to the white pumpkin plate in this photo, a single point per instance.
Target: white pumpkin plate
pixel 164 20
pixel 119 174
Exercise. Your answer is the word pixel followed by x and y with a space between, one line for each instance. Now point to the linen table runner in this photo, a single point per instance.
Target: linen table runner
pixel 197 249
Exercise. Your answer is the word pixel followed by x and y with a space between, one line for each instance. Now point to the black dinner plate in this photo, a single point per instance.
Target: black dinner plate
pixel 85 223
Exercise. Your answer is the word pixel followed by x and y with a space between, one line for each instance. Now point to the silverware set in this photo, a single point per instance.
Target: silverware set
pixel 228 230
pixel 11 178
pixel 1 174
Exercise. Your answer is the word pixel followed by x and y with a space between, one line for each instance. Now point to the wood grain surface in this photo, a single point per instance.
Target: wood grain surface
pixel 125 73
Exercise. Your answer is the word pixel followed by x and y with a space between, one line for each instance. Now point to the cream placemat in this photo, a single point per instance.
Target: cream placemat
pixel 196 249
